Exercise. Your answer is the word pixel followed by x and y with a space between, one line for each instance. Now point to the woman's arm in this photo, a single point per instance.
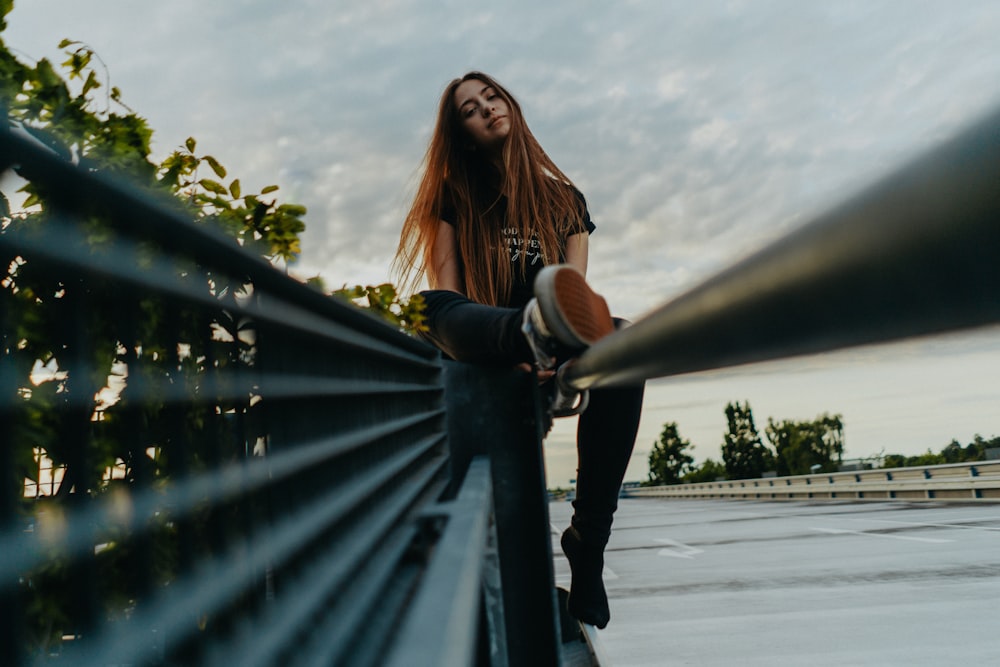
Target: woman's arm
pixel 445 275
pixel 577 249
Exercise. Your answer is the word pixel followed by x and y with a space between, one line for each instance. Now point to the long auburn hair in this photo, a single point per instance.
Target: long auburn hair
pixel 542 203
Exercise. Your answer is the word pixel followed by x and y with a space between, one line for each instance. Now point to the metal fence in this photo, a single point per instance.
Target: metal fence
pixel 959 482
pixel 263 477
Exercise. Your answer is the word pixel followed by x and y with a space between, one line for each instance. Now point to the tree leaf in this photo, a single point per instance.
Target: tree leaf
pixel 292 209
pixel 219 170
pixel 90 84
pixel 234 189
pixel 213 186
pixel 190 144
pixel 269 189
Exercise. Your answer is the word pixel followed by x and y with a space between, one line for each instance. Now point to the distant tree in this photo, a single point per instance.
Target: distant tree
pixel 709 471
pixel 976 450
pixel 743 453
pixel 894 461
pixel 928 458
pixel 668 460
pixel 801 445
pixel 974 453
pixel 954 452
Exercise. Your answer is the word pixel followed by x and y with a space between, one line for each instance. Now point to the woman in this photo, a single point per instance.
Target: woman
pixel 502 236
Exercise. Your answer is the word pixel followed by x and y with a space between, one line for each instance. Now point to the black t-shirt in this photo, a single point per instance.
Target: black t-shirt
pixel 528 252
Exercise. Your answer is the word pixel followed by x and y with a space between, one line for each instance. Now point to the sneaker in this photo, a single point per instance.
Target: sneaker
pixel 564 310
pixel 573 313
pixel 540 339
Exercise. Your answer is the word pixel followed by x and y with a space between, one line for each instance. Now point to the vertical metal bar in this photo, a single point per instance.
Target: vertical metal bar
pixel 179 457
pixel 497 412
pixel 12 635
pixel 141 467
pixel 262 416
pixel 75 433
pixel 274 350
pixel 254 508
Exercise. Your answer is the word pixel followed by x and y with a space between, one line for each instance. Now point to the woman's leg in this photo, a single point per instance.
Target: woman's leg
pixel 471 332
pixel 605 437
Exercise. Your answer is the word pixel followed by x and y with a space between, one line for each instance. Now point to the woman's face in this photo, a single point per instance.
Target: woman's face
pixel 483 113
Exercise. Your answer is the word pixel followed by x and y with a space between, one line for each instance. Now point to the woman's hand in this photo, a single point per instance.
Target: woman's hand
pixel 543 375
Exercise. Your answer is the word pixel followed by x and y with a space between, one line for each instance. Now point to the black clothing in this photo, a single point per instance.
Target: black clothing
pixel 527 252
pixel 606 431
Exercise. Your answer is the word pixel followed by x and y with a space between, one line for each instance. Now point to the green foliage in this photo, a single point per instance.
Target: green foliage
pixel 668 460
pixel 894 461
pixel 75 125
pixel 928 458
pixel 743 453
pixel 104 400
pixel 70 414
pixel 709 471
pixel 5 7
pixel 801 445
pixel 383 300
pixel 953 452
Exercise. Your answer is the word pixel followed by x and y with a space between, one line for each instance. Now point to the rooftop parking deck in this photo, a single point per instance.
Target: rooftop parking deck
pixel 715 582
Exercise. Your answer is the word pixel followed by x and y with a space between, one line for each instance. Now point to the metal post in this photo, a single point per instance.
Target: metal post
pixel 498 412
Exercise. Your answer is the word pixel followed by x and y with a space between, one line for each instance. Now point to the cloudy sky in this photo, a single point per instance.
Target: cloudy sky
pixel 699 132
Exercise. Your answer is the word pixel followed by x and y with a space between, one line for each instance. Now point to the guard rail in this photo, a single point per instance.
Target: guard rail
pixel 962 482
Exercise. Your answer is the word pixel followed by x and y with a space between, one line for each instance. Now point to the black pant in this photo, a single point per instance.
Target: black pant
pixel 471 332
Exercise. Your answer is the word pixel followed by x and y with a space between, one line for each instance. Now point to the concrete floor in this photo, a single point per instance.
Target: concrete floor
pixel 799 583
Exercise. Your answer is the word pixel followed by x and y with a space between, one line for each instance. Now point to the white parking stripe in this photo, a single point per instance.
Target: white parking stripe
pixel 841 531
pixel 933 525
pixel 677 549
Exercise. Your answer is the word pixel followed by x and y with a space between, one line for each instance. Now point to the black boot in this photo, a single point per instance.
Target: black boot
pixel 588 601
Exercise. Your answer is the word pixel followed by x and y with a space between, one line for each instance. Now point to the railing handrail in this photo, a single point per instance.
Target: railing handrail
pixel 966 481
pixel 914 254
pixel 138 211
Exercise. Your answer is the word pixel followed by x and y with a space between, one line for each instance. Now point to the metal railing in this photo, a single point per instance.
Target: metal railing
pixel 285 483
pixel 960 482
pixel 915 254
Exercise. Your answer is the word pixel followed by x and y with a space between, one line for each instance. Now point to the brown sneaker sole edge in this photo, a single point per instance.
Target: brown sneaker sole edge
pixel 574 313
